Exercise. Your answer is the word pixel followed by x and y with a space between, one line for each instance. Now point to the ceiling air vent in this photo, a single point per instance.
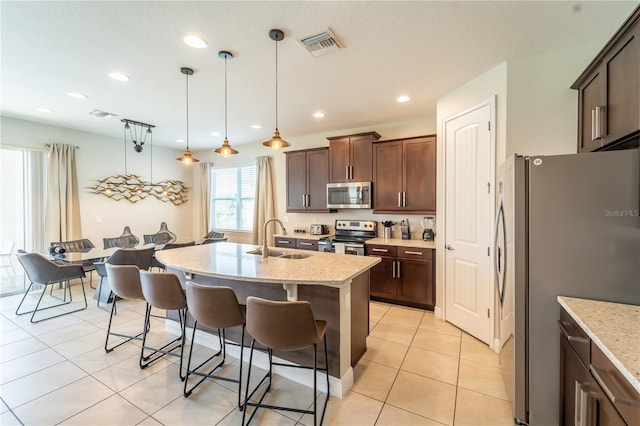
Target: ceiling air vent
pixel 321 43
pixel 102 114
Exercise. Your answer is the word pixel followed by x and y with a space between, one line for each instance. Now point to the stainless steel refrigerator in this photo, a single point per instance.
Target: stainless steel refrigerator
pixel 567 225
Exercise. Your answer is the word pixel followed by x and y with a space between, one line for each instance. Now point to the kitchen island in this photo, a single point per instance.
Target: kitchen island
pixel 337 286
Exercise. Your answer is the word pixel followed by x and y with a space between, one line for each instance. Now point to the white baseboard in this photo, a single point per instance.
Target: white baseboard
pixel 437 311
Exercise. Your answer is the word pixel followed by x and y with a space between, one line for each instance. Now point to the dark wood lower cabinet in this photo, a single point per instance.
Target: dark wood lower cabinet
pixel 405 276
pixel 582 401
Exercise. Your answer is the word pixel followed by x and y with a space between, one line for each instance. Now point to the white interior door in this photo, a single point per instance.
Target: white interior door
pixel 468 222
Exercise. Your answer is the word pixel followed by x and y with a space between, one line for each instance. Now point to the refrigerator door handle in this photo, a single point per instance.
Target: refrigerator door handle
pixel 499 268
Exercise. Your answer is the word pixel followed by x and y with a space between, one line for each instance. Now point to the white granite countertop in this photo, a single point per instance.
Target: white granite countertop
pixel 231 261
pixel 402 243
pixel 614 328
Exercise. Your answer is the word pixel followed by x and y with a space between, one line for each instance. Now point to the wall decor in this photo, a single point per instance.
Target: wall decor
pixel 132 187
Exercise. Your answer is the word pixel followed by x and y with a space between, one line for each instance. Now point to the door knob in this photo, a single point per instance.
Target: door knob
pixel 448 247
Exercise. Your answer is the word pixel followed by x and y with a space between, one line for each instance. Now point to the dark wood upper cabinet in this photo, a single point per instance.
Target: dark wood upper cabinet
pixel 404 176
pixel 609 92
pixel 350 157
pixel 307 177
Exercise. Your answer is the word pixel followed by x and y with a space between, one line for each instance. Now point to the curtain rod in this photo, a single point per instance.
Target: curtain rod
pixel 48 145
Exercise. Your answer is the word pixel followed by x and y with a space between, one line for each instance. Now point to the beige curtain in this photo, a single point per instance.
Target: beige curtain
pixel 62 221
pixel 205 198
pixel 264 202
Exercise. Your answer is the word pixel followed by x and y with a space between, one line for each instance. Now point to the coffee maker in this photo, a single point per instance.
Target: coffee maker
pixel 428 223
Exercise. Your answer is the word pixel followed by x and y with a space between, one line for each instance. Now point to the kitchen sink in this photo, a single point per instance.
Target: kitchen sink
pixel 280 254
pixel 271 253
pixel 294 256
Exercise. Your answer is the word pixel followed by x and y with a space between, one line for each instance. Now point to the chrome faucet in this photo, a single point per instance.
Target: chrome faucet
pixel 265 249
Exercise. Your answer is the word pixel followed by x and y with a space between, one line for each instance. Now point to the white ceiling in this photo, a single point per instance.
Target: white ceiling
pixel 423 49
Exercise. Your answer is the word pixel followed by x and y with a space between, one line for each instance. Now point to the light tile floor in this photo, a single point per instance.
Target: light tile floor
pixel 418 370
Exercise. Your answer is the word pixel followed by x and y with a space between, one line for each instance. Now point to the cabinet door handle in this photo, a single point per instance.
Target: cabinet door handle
pixel 284 242
pixel 593 124
pixel 563 328
pixel 351 172
pixel 398 274
pixel 597 122
pixel 399 199
pixel 307 202
pixel 380 250
pixel 346 172
pixel 417 253
pixel 609 388
pixel 404 199
pixel 393 269
pixel 302 243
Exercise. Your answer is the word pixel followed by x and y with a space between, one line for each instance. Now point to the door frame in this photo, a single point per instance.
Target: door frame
pixel 440 311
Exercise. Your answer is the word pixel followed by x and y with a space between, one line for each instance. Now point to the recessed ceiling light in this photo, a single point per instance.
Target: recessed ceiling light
pixel 119 76
pixel 215 133
pixel 319 114
pixel 401 99
pixel 44 109
pixel 256 126
pixel 180 140
pixel 77 95
pixel 195 41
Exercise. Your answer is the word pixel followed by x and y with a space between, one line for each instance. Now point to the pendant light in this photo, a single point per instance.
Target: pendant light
pixel 225 149
pixel 187 158
pixel 276 142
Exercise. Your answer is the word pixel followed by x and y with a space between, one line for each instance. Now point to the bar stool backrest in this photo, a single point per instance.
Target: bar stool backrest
pixel 125 281
pixel 281 325
pixel 213 306
pixel 163 290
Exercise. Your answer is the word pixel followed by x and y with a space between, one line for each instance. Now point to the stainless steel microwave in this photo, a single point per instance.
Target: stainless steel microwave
pixel 350 195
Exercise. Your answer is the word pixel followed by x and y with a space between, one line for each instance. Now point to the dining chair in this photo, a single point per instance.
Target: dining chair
pixel 163 236
pixel 213 234
pixel 126 240
pixel 163 291
pixel 214 240
pixel 82 245
pixel 43 271
pixel 214 307
pixel 286 326
pixel 140 257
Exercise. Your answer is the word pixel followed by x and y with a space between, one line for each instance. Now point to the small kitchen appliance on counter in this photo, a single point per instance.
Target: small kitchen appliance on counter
pixel 319 229
pixel 427 224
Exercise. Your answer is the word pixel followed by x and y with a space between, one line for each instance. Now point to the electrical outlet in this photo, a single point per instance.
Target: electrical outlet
pixel 285 219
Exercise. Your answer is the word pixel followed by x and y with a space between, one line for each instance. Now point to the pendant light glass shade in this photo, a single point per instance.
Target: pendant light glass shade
pixel 225 149
pixel 187 158
pixel 276 142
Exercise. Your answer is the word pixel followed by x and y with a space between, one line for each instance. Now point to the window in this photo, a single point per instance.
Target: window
pixel 22 198
pixel 232 198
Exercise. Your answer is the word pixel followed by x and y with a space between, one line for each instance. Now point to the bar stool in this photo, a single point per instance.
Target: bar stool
pixel 163 291
pixel 286 326
pixel 125 284
pixel 214 307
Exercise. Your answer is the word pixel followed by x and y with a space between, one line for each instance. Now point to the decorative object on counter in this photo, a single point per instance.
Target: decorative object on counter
pixel 299 230
pixel 132 187
pixel 427 226
pixel 276 142
pixel 406 229
pixel 386 231
pixel 187 158
pixel 225 150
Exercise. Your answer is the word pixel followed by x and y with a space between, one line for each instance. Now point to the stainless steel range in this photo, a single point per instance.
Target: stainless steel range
pixel 349 237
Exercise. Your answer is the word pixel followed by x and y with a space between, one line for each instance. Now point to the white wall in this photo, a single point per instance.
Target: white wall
pixel 542 108
pixel 100 156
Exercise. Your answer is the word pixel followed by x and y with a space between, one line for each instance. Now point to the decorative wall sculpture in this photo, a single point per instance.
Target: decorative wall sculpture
pixel 133 189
